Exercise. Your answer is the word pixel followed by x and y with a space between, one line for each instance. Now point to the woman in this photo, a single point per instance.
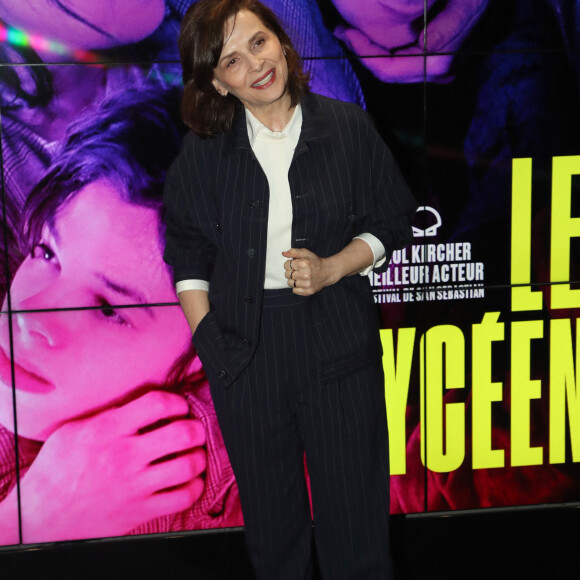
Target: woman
pixel 39 102
pixel 116 431
pixel 276 200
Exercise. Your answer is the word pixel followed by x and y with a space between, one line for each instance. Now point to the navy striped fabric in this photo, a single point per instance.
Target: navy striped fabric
pixel 343 181
pixel 290 374
pixel 278 408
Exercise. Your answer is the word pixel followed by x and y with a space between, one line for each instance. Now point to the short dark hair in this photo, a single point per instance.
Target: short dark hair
pixel 130 141
pixel 201 41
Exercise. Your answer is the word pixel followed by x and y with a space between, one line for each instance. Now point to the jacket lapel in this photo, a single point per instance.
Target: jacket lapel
pixel 314 125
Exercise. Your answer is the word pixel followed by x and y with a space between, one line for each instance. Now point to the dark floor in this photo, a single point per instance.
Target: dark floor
pixel 530 544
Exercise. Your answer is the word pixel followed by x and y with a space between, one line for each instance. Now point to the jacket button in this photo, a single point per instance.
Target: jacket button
pixel 352 217
pixel 217 224
pixel 248 300
pixel 222 374
pixel 251 252
pixel 247 341
pixel 256 204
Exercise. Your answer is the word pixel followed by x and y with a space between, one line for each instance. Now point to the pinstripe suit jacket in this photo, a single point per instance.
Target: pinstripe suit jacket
pixel 343 181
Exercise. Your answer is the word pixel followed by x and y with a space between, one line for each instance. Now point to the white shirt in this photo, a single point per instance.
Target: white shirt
pixel 274 151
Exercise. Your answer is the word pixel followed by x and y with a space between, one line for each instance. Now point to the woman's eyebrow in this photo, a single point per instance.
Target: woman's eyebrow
pixel 254 36
pixel 227 56
pixel 135 295
pixel 230 54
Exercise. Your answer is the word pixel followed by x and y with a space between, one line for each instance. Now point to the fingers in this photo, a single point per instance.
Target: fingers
pixel 175 482
pixel 300 270
pixel 301 282
pixel 298 264
pixel 175 485
pixel 297 270
pixel 173 438
pixel 388 67
pixel 293 263
pixel 397 69
pixel 452 25
pixel 149 409
pixel 444 33
pixel 296 257
pixel 175 472
pixel 304 291
pixel 297 253
pixel 177 499
pixel 439 68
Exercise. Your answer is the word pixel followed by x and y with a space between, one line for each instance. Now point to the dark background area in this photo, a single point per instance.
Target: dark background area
pixel 533 543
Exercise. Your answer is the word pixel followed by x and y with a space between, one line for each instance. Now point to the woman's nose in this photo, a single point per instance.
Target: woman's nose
pixel 256 63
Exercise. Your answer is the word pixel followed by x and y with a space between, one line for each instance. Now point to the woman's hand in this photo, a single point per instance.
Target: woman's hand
pixel 308 273
pixel 109 473
pixel 195 305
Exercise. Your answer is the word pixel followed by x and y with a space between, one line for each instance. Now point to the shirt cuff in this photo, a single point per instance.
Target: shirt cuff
pixel 191 285
pixel 378 250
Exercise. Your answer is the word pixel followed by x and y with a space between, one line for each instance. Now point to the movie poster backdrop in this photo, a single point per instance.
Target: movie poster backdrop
pixel 106 423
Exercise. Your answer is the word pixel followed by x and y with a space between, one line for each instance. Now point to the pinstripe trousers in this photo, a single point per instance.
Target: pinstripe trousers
pixel 276 411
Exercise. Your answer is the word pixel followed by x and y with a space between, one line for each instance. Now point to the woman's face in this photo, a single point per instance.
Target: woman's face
pixel 252 65
pixel 85 24
pixel 101 252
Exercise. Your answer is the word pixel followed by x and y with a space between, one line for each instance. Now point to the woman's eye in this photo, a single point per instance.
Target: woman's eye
pixel 43 251
pixel 259 42
pixel 232 62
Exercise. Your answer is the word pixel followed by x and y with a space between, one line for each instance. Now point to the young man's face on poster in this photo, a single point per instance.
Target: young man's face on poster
pixel 71 363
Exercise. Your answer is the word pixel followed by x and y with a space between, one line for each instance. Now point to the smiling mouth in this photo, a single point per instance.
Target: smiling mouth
pixel 265 79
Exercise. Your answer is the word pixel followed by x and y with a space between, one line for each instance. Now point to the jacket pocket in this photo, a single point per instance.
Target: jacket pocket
pixel 222 355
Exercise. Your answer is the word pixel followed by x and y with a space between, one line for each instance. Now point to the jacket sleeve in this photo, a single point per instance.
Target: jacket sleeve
pixel 188 249
pixel 393 203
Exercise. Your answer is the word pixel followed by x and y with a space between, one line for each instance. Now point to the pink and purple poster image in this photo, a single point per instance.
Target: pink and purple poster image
pixel 107 427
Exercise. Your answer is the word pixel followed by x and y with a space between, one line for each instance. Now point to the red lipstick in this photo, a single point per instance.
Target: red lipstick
pixel 266 80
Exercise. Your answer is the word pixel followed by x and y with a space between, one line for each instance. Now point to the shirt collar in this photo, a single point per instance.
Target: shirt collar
pixel 292 129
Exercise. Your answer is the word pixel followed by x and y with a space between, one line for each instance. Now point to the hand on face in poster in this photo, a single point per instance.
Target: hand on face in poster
pixel 395 28
pixel 115 471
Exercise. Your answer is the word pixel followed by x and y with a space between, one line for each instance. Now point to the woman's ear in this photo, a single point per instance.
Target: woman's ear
pixel 219 88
